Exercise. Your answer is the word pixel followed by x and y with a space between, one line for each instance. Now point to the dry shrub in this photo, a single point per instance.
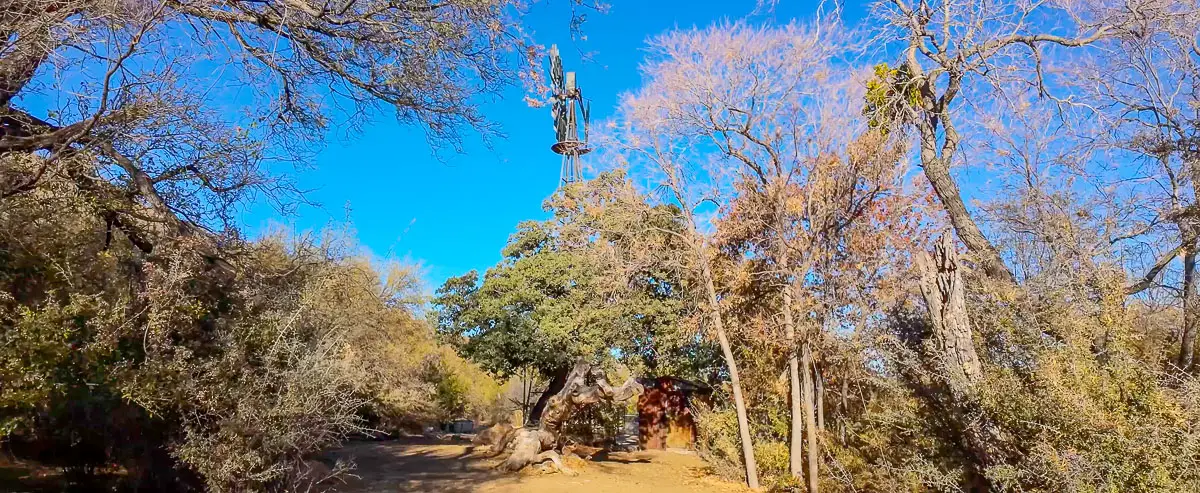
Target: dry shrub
pixel 190 375
pixel 1076 384
pixel 1079 406
pixel 717 442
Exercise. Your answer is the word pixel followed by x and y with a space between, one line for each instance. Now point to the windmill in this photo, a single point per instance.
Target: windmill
pixel 568 109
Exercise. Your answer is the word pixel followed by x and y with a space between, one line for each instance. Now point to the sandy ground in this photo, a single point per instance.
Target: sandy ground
pixel 429 466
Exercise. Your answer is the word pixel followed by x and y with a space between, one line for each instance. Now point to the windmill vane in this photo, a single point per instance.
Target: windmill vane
pixel 569 110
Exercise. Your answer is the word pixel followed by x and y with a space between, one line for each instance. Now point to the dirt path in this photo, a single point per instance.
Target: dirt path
pixel 428 466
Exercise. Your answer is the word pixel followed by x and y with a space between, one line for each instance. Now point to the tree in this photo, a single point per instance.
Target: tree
pixel 1124 95
pixel 1141 87
pixel 117 98
pixel 645 142
pixel 563 294
pixel 773 108
pixel 950 45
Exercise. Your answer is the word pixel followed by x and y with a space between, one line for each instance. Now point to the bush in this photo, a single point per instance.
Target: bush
pixel 190 373
pixel 718 443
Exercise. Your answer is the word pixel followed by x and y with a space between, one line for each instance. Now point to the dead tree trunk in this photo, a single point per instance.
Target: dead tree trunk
pixel 540 443
pixel 954 363
pixel 951 340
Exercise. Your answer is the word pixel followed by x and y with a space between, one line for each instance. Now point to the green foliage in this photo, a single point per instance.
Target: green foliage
pixel 566 290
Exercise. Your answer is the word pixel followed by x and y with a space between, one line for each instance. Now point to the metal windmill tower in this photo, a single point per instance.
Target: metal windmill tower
pixel 569 108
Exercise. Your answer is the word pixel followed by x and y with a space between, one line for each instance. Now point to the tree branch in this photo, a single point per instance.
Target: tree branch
pixel 1148 280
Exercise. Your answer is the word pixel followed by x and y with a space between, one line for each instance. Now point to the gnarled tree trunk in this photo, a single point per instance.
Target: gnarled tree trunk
pixel 557 381
pixel 541 442
pixel 950 350
pixel 951 340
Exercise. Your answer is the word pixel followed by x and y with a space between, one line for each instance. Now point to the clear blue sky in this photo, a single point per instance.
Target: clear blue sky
pixel 455 214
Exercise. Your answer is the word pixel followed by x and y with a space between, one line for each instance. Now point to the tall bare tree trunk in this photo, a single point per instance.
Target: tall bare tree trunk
pixel 938 173
pixel 935 160
pixel 795 448
pixel 1191 305
pixel 810 418
pixel 739 403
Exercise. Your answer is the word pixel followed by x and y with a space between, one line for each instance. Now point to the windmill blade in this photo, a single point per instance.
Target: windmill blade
pixel 556 70
pixel 560 120
pixel 587 117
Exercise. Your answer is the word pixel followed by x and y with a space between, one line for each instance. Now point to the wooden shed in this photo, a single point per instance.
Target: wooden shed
pixel 664 416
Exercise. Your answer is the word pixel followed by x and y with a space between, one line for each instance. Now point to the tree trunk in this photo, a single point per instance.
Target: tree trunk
pixel 1191 306
pixel 795 448
pixel 843 406
pixel 783 260
pixel 27 53
pixel 532 445
pixel 526 394
pixel 557 382
pixel 739 402
pixel 809 398
pixel 820 382
pixel 938 173
pixel 935 160
pixel 953 360
pixel 952 343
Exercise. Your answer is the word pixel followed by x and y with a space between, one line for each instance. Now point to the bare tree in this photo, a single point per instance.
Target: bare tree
pixel 770 111
pixel 950 47
pixel 1142 86
pixel 168 114
pixel 652 149
pixel 759 96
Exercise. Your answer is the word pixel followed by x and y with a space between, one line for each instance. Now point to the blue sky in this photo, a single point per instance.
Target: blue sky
pixel 455 213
